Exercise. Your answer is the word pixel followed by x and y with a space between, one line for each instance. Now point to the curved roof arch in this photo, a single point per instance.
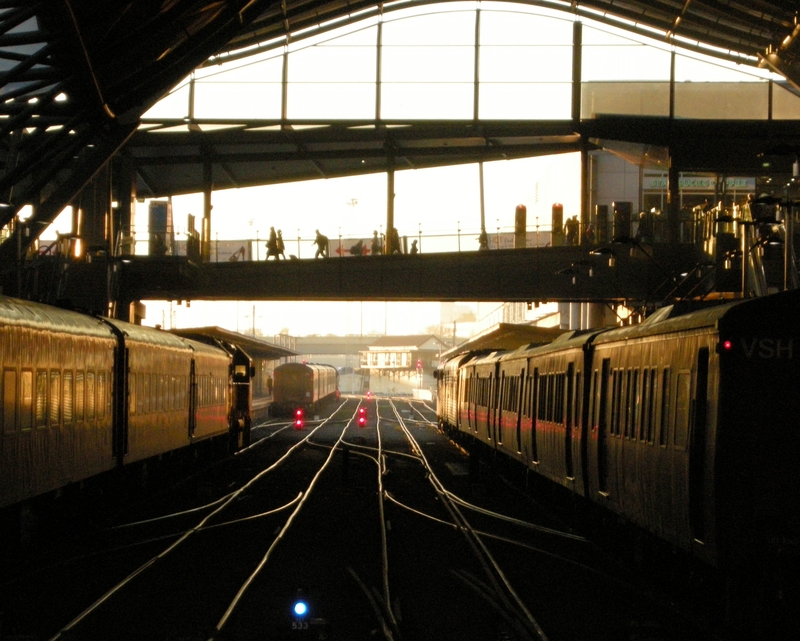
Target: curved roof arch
pixel 76 80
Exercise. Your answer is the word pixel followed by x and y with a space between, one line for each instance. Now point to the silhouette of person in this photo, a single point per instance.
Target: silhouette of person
pixel 572 230
pixel 413 251
pixel 395 240
pixel 483 240
pixel 376 247
pixel 321 241
pixel 272 244
pixel 279 246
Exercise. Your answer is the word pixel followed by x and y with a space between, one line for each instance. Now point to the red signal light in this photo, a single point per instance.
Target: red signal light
pixel 299 418
pixel 362 416
pixel 727 345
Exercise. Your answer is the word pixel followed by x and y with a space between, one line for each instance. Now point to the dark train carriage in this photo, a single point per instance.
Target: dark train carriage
pixel 756 475
pixel 303 385
pixel 56 389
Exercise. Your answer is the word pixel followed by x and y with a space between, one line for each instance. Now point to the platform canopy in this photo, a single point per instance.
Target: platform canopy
pixel 252 345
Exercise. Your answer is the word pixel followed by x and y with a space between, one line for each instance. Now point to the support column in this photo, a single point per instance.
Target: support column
pixel 95 205
pixel 390 238
pixel 596 315
pixel 205 238
pixel 574 316
pixel 124 187
pixel 563 315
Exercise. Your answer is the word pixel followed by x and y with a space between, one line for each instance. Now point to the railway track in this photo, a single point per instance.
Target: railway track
pixel 379 530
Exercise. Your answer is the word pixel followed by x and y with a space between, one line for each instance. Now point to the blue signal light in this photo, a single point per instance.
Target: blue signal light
pixel 300 608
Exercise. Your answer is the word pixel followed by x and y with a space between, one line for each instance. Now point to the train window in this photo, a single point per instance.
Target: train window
pixel 9 401
pixel 55 397
pixel 101 394
pixel 132 396
pixel 663 437
pixel 616 402
pixel 146 393
pixel 682 404
pixel 557 392
pixel 541 410
pixel 593 404
pixel 632 409
pixel 26 400
pixel 651 407
pixel 80 392
pixel 90 395
pixel 645 405
pixel 68 397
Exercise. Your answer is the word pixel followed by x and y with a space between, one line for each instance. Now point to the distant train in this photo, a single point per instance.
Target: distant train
pixel 83 396
pixel 685 425
pixel 303 385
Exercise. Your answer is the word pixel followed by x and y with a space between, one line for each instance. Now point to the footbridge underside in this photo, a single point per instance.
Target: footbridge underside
pixel 544 274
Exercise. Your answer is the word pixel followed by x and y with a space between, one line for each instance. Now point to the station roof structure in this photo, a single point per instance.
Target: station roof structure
pixel 76 79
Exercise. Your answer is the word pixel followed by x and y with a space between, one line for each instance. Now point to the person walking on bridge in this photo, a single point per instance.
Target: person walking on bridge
pixel 321 241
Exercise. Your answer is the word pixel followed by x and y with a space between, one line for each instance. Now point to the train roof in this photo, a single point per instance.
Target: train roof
pixel 38 316
pixel 318 366
pixel 778 312
pixel 148 335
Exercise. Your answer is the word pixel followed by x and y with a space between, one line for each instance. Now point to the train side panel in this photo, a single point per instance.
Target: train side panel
pixel 648 436
pixel 211 410
pixel 159 367
pixel 554 413
pixel 56 386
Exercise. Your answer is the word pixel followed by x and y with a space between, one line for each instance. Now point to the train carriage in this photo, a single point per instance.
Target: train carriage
pixel 685 425
pixel 56 389
pixel 83 396
pixel 552 422
pixel 303 385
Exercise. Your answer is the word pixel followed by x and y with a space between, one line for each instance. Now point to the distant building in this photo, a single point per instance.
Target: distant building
pixel 343 353
pixel 403 364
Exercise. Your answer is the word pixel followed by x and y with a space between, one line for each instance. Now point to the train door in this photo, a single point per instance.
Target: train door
pixel 568 420
pixel 697 449
pixel 520 404
pixel 534 405
pixel 495 411
pixel 602 428
pixel 192 400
